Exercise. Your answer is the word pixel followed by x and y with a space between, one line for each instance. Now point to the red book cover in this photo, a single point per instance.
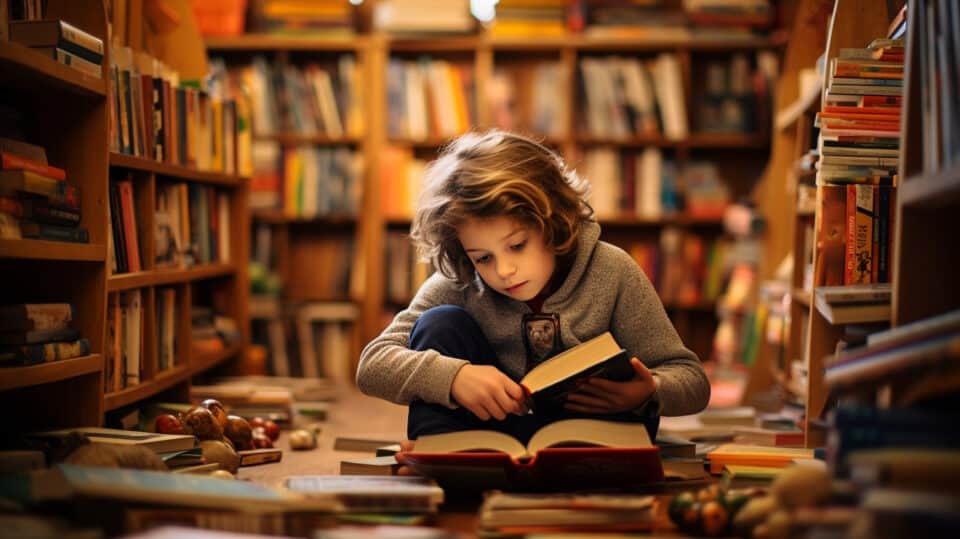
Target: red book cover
pixel 550 469
pixel 9 161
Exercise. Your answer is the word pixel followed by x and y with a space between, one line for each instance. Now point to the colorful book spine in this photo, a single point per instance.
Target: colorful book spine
pixel 44 353
pixel 9 161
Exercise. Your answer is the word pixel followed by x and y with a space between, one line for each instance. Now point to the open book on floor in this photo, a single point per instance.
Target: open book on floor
pixel 584 453
pixel 600 357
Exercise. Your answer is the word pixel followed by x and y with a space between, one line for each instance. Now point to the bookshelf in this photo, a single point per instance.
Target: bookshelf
pixel 72 392
pixel 739 157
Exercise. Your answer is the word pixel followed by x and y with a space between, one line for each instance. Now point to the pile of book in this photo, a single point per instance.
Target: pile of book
pixel 36 200
pixel 32 333
pixel 61 41
pixel 859 149
pixel 861 303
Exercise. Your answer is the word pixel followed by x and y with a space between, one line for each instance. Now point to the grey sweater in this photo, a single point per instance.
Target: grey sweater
pixel 605 290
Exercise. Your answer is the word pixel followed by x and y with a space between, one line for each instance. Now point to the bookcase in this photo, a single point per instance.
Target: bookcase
pixel 69 115
pixel 812 338
pixel 479 62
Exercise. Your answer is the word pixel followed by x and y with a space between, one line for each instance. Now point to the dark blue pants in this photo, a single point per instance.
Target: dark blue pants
pixel 451 331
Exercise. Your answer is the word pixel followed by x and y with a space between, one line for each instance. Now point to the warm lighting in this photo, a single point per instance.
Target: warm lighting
pixel 356 2
pixel 483 10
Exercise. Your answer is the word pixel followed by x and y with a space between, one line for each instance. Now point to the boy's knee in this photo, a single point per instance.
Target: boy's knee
pixel 449 316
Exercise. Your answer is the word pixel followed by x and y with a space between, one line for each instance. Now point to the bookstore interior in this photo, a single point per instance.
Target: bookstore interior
pixel 206 213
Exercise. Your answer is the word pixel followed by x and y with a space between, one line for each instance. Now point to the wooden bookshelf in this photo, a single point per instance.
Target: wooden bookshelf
pixel 742 155
pixel 68 113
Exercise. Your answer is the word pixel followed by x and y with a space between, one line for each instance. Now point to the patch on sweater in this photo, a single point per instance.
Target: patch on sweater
pixel 541 336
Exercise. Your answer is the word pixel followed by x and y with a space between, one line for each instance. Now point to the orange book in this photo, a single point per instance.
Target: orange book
pixel 859 113
pixel 754 455
pixel 9 161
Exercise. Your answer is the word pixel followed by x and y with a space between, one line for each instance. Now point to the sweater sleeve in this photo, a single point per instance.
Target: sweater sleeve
pixel 641 326
pixel 391 371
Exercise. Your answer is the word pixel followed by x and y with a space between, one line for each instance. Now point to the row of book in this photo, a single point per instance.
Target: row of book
pixel 156 115
pixel 32 333
pixel 529 98
pixel 306 181
pixel 36 200
pixel 939 55
pixel 685 268
pixel 857 232
pixel 429 97
pixel 318 333
pixel 191 226
pixel 315 99
pixel 128 361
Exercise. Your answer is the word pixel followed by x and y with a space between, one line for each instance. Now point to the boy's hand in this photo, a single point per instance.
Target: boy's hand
pixel 405 469
pixel 487 392
pixel 600 396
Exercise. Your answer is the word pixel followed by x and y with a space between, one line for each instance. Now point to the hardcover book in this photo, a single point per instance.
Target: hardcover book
pixel 158 442
pixel 583 452
pixel 547 384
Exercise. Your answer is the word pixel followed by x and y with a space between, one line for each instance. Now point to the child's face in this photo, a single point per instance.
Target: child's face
pixel 510 257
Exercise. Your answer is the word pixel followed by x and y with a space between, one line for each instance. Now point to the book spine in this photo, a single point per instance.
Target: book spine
pixel 52 351
pixel 129 218
pixel 79 63
pixel 16 162
pixel 24 180
pixel 78 42
pixel 41 336
pixel 42 211
pixel 863 235
pixel 849 246
pixel 45 231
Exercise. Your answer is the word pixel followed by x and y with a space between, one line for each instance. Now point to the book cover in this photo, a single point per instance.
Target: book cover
pixel 547 384
pixel 587 453
pixel 158 442
pixel 366 494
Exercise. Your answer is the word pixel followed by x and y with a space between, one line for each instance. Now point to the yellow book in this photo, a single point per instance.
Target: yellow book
pixel 754 455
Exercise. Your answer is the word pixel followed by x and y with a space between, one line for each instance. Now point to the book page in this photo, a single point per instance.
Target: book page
pixel 470 440
pixel 590 432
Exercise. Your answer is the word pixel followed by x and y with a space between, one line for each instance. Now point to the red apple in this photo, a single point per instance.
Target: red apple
pixel 257 421
pixel 167 424
pixel 261 440
pixel 272 429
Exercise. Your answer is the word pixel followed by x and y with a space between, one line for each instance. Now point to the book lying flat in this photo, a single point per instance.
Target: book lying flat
pixel 66 481
pixel 506 514
pixel 547 384
pixel 367 494
pixel 754 455
pixel 385 465
pixel 574 452
pixel 159 443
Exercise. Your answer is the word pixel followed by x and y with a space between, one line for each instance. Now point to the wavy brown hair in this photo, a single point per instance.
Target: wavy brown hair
pixel 493 174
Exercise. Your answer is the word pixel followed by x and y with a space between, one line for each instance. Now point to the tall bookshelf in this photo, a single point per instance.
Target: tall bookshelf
pixel 70 118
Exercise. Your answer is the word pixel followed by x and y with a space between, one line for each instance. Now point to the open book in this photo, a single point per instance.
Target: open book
pixel 572 452
pixel 600 357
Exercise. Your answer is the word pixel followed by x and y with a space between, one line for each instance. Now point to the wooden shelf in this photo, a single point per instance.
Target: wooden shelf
pixel 747 141
pixel 933 190
pixel 29 70
pixel 467 43
pixel 296 139
pixel 164 276
pixel 271 42
pixel 631 141
pixel 593 43
pixel 131 162
pixel 277 217
pixel 45 373
pixel 163 380
pixel 427 143
pixel 202 361
pixel 53 250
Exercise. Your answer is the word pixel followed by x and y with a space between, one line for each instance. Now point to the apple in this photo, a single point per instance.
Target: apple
pixel 261 440
pixel 168 424
pixel 272 429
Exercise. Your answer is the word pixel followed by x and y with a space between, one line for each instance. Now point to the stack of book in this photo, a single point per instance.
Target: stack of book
pixel 519 18
pixel 36 200
pixel 729 19
pixel 32 333
pixel 61 41
pixel 854 303
pixel 859 148
pixel 314 17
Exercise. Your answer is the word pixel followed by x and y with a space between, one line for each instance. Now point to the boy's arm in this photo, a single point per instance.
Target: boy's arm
pixel 641 326
pixel 391 371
